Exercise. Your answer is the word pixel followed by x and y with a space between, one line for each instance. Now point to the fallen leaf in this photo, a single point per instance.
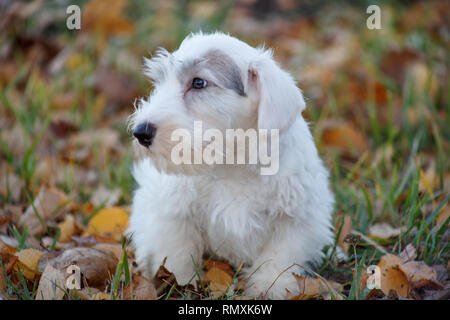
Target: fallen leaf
pixel 345 231
pixel 10 184
pixel 315 286
pixel 164 280
pixel 219 264
pixel 52 284
pixel 28 262
pixel 392 278
pixel 109 221
pixel 117 88
pixel 67 228
pixel 142 289
pixel 345 137
pixel 396 62
pixel 443 215
pixel 63 101
pixel 46 204
pixel 97 266
pixel 8 259
pixel 383 231
pixel 100 296
pixel 115 248
pixel 87 293
pixel 105 197
pixel 218 279
pixel 409 253
pixel 419 274
pixel 106 16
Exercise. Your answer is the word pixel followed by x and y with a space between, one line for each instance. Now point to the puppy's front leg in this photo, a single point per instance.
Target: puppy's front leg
pixel 160 230
pixel 291 246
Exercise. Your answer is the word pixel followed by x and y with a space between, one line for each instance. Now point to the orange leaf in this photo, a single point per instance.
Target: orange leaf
pixel 345 137
pixel 392 278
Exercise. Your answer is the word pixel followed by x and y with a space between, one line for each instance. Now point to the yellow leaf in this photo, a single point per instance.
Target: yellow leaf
pixel 28 262
pixel 67 228
pixel 219 280
pixel 109 221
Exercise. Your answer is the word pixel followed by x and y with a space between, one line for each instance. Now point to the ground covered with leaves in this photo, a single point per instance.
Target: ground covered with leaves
pixel 377 101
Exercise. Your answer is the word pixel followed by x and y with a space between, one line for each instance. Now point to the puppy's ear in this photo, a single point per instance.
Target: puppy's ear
pixel 280 101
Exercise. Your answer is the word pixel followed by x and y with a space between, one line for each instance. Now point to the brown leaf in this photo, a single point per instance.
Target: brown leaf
pixel 97 266
pixel 419 274
pixel 345 137
pixel 409 253
pixel 345 231
pixel 100 296
pixel 10 184
pixel 396 62
pixel 115 248
pixel 315 286
pixel 52 284
pixel 219 264
pixel 63 101
pixel 164 279
pixel 9 259
pixel 218 279
pixel 142 289
pixel 46 203
pixel 392 278
pixel 118 89
pixel 383 231
pixel 106 16
pixel 105 197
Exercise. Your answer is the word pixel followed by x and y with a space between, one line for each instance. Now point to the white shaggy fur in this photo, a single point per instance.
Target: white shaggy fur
pixel 267 223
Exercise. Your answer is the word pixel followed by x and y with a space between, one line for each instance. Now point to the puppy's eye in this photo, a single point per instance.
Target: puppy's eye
pixel 198 83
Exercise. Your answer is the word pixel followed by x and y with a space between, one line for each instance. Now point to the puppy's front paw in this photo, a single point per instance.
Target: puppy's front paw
pixel 270 283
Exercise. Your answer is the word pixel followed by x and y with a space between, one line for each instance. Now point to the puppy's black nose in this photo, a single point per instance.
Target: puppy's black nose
pixel 145 132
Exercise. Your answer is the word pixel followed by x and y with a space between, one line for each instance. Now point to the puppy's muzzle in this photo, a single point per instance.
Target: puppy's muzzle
pixel 144 133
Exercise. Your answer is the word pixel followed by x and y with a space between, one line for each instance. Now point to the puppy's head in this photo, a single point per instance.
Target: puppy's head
pixel 218 80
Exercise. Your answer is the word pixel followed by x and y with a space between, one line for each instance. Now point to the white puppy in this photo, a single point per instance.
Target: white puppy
pixel 180 211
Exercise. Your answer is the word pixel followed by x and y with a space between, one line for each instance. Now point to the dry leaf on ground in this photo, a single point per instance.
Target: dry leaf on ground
pixel 97 266
pixel 409 253
pixel 419 274
pixel 219 280
pixel 106 16
pixel 28 262
pixel 392 278
pixel 311 287
pixel 345 137
pixel 142 289
pixel 383 231
pixel 345 231
pixel 67 228
pixel 52 284
pixel 45 205
pixel 105 197
pixel 109 222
